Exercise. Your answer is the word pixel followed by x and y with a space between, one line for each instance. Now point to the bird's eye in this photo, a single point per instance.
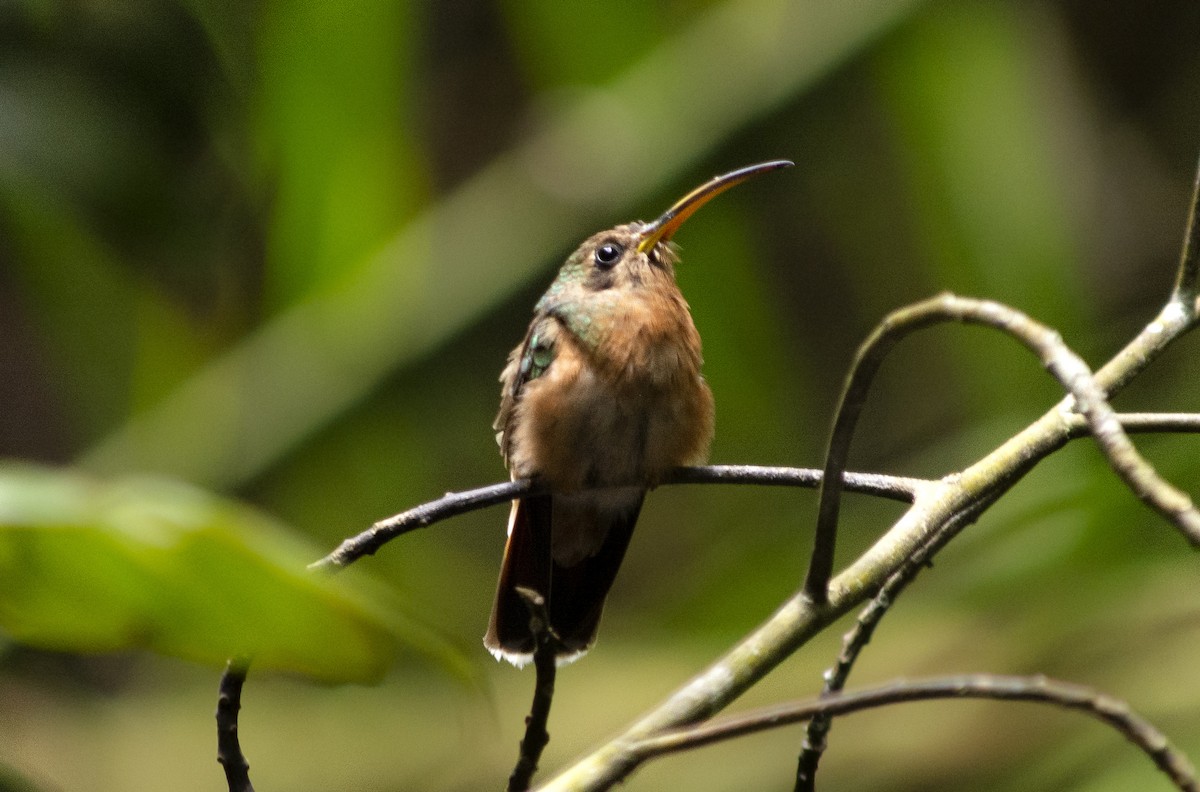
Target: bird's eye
pixel 608 253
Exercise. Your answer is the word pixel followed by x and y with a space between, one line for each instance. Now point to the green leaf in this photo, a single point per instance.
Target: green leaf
pixel 93 566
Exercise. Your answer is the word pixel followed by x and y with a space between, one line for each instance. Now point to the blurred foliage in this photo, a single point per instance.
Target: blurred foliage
pixel 87 567
pixel 279 250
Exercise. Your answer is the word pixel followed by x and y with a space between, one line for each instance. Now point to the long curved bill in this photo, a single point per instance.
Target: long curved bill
pixel 665 226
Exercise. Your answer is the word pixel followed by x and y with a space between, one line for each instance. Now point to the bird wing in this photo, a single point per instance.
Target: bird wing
pixel 528 361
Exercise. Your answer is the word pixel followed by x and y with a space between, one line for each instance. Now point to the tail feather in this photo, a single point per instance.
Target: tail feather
pixel 527 564
pixel 574 593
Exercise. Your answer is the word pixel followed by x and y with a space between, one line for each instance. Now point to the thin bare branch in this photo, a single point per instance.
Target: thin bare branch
pixel 1108 710
pixel 450 505
pixel 897 488
pixel 455 503
pixel 536 737
pixel 853 643
pixel 1067 367
pixel 1189 258
pixel 229 748
pixel 1142 423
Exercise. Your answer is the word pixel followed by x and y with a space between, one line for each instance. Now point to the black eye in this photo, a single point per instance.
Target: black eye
pixel 608 253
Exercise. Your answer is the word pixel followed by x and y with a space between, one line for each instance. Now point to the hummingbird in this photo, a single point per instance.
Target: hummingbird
pixel 602 398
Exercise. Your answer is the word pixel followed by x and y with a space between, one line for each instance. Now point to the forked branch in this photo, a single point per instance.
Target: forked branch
pixel 1089 399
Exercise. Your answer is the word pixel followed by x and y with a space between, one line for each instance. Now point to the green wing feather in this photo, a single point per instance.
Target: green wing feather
pixel 527 362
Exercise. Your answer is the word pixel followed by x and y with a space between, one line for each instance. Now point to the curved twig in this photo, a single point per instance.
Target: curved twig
pixel 1067 367
pixel 1105 708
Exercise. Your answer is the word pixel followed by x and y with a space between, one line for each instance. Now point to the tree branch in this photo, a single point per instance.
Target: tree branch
pixel 1108 710
pixel 891 487
pixel 1067 367
pixel 835 678
pixel 853 643
pixel 1189 258
pixel 897 488
pixel 229 749
pixel 544 663
pixel 450 505
pixel 1140 423
pixel 455 503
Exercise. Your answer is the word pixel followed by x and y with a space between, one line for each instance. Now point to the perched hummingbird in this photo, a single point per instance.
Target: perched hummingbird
pixel 602 397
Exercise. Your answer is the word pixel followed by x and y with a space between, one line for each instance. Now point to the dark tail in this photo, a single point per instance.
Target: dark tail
pixel 574 594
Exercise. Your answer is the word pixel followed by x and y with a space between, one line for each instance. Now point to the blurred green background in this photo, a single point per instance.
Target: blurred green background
pixel 280 250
